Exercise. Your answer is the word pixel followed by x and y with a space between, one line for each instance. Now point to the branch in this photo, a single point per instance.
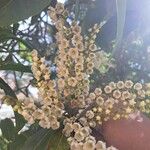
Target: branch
pixel 28 45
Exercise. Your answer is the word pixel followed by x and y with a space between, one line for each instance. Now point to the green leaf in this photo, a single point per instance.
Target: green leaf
pixel 121 15
pixel 3 3
pixel 44 139
pixel 58 141
pixel 34 19
pixel 8 129
pixel 8 90
pixel 34 128
pixel 38 140
pixel 20 121
pixel 4 33
pixel 3 143
pixel 15 67
pixel 12 11
pixel 25 53
pixel 15 28
pixel 17 143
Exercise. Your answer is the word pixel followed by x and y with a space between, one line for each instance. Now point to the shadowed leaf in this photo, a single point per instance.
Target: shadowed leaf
pixel 8 129
pixel 12 11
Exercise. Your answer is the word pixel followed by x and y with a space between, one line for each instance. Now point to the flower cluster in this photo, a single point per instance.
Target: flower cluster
pixel 49 110
pixel 75 61
pixel 115 101
pixel 79 137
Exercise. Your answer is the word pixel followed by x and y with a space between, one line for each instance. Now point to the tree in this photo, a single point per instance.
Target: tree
pixel 74 31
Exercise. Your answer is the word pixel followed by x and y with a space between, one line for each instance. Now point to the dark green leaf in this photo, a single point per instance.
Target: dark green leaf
pixel 34 19
pixel 20 121
pixel 15 28
pixel 37 140
pixel 44 139
pixel 15 67
pixel 8 129
pixel 7 89
pixel 4 33
pixel 3 3
pixel 34 128
pixel 12 11
pixel 8 58
pixel 58 141
pixel 17 143
pixel 3 143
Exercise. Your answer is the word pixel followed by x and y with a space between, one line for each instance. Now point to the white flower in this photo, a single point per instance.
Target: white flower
pixel 89 145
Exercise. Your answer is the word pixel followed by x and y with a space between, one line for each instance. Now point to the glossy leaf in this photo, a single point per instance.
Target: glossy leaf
pixel 20 121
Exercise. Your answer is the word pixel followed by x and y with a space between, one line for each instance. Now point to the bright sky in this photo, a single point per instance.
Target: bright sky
pixel 62 1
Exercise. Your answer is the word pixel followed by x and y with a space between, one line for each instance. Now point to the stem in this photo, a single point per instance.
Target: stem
pixel 92 105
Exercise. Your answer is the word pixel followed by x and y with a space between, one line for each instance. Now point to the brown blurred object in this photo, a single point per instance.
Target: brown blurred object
pixel 128 134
